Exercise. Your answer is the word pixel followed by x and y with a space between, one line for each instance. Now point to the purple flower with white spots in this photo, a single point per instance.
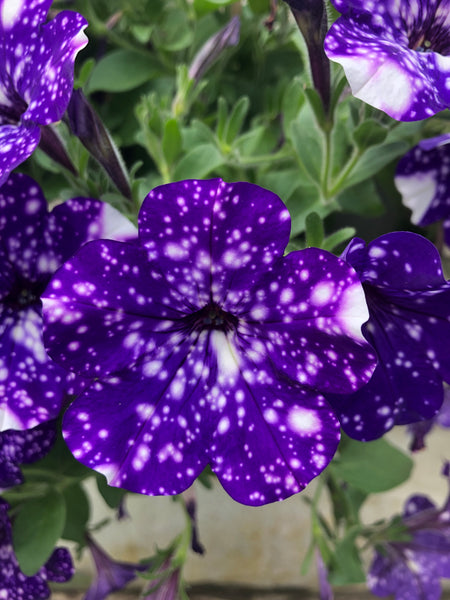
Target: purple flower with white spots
pixel 409 307
pixel 395 54
pixel 14 585
pixel 33 244
pixel 422 178
pixel 412 569
pixel 23 447
pixel 209 346
pixel 112 576
pixel 420 430
pixel 36 74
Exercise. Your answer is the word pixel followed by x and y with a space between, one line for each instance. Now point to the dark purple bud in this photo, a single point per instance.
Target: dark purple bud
pixel 311 18
pixel 85 123
pixel 214 47
pixel 53 146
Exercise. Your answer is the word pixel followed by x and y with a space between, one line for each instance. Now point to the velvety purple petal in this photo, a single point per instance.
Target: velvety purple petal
pixel 272 438
pixel 22 14
pixel 17 143
pixel 407 575
pixel 59 567
pixel 417 504
pixel 47 79
pixel 23 447
pixel 107 306
pixel 31 385
pixel 312 296
pixel 213 239
pixel 148 429
pixel 408 301
pixel 379 45
pixel 22 228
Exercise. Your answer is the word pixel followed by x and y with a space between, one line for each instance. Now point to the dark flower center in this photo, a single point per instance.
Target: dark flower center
pixel 211 317
pixel 10 114
pixel 432 38
pixel 24 294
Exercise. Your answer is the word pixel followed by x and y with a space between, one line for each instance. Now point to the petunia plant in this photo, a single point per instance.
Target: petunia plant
pixel 210 275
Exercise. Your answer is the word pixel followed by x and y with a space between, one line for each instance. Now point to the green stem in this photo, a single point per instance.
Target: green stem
pixel 339 184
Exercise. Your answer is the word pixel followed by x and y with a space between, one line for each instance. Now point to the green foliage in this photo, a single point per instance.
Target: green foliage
pixel 371 467
pixel 36 529
pixel 122 70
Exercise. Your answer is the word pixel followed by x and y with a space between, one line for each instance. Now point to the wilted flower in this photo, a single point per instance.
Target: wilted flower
pixel 23 447
pixel 209 346
pixel 33 244
pixel 409 307
pixel 37 74
pixel 422 178
pixel 395 54
pixel 421 429
pixel 412 569
pixel 14 585
pixel 112 576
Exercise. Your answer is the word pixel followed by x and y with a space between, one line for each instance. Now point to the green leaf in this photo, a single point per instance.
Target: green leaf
pixel 122 70
pixel 346 563
pixel 369 133
pixel 111 495
pixel 314 230
pixel 204 6
pixel 307 142
pixel 259 7
pixel 198 162
pixel 316 104
pixel 293 100
pixel 37 528
pixel 171 142
pixel 236 120
pixel 77 513
pixel 362 199
pixel 374 159
pixel 372 466
pixel 337 238
pixel 222 113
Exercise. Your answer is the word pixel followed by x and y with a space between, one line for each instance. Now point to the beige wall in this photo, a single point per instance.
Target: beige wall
pixel 256 546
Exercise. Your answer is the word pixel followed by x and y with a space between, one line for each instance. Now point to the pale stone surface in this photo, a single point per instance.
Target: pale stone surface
pixel 255 546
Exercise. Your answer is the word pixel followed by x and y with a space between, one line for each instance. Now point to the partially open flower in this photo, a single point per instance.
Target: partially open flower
pixel 36 63
pixel 395 54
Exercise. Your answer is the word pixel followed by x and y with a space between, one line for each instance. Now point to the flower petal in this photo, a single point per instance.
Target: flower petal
pixel 17 143
pixel 213 234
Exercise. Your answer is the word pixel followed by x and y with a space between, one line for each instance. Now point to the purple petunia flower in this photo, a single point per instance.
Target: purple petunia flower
pixel 36 74
pixel 423 180
pixel 33 244
pixel 411 570
pixel 209 346
pixel 14 585
pixel 409 307
pixel 395 54
pixel 112 576
pixel 23 447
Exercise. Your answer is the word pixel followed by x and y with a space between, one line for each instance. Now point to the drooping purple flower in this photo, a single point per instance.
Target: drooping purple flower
pixel 112 576
pixel 412 569
pixel 423 180
pixel 33 244
pixel 421 429
pixel 209 346
pixel 395 54
pixel 409 307
pixel 36 79
pixel 23 447
pixel 14 585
